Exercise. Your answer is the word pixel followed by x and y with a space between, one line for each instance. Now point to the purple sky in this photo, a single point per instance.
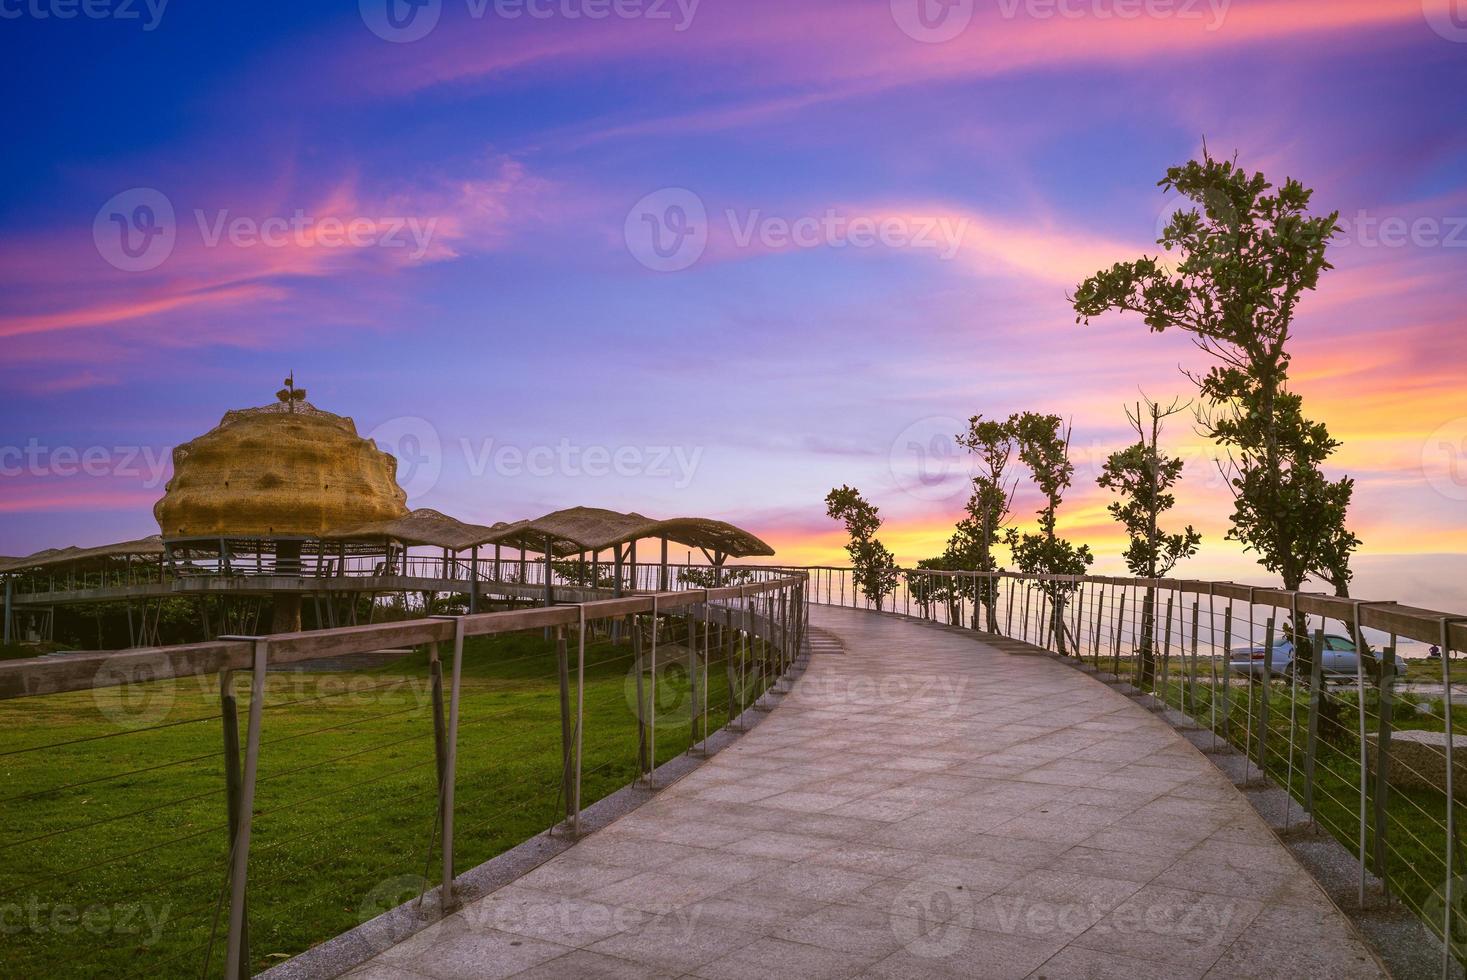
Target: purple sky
pixel 704 258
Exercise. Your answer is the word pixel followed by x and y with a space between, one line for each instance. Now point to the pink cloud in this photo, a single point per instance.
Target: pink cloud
pixel 238 258
pixel 861 47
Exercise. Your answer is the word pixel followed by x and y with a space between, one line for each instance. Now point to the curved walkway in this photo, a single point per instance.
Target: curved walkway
pixel 921 805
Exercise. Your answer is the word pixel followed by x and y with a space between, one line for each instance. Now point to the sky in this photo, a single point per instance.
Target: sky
pixel 709 258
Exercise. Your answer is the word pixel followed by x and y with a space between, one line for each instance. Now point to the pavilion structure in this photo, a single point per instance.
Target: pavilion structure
pixel 287 503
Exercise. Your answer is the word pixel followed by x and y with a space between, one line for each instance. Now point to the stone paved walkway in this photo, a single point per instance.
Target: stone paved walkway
pixel 921 806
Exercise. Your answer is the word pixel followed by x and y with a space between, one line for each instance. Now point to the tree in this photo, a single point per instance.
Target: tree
pixel 992 442
pixel 875 568
pixel 578 571
pixel 1246 259
pixel 714 577
pixel 1143 477
pixel 963 554
pixel 1044 447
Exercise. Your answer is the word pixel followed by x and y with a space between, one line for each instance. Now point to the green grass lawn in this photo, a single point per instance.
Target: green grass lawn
pixel 113 837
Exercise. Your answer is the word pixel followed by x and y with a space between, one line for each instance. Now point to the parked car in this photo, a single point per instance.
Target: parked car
pixel 1338 660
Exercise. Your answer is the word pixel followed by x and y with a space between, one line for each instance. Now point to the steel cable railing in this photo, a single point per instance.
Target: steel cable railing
pixel 318 795
pixel 1364 746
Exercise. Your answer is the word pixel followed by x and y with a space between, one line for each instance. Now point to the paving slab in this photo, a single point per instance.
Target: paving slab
pixel 921 804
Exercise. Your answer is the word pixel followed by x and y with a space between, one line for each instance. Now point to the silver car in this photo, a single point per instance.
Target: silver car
pixel 1338 662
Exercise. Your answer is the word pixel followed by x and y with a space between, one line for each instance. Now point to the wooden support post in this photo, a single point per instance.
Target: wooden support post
pixel 474 579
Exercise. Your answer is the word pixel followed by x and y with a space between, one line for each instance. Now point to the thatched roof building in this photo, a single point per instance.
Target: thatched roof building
pixel 281 471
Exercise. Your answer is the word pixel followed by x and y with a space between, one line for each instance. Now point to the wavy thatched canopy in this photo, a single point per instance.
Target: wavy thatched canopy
pixel 51 557
pixel 595 529
pixel 421 527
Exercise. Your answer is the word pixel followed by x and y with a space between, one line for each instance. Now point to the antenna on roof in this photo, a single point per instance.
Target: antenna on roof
pixel 290 394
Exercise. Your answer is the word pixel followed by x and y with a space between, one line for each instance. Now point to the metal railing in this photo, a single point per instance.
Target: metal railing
pixel 1364 745
pixel 305 776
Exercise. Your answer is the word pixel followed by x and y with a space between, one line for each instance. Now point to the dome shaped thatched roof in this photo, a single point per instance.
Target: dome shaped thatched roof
pixel 284 470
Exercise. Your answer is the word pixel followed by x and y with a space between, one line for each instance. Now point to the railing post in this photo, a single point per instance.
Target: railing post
pixel 1445 644
pixel 1211 660
pixel 1192 680
pixel 1227 684
pixel 728 662
pixel 1311 736
pixel 641 672
pixel 450 762
pixel 567 735
pixel 652 700
pixel 580 714
pixel 746 653
pixel 236 964
pixel 692 681
pixel 440 733
pixel 1263 694
pixel 1166 654
pixel 1079 619
pixel 1099 625
pixel 707 652
pixel 1386 684
pixel 1116 647
pixel 1008 612
pixel 1364 762
pixel 1025 615
pixel 233 787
